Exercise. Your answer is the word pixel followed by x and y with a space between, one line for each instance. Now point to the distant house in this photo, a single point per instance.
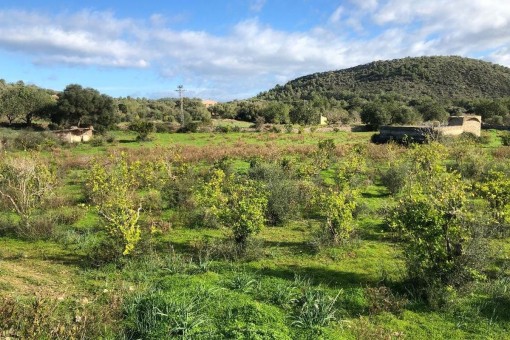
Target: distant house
pixel 75 134
pixel 323 120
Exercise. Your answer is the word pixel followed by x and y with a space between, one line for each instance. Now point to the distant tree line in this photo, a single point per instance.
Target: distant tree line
pixel 78 106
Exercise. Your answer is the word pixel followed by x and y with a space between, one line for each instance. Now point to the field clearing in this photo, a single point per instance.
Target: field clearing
pixel 187 268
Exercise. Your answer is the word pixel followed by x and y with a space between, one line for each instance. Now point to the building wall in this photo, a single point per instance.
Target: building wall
pixel 456 126
pixel 75 136
pixel 473 125
pixel 451 130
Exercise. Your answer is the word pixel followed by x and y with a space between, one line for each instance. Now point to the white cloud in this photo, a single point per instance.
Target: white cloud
pixel 253 56
pixel 257 5
pixel 336 15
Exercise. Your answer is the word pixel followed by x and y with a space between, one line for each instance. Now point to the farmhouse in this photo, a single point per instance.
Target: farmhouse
pixel 456 126
pixel 75 134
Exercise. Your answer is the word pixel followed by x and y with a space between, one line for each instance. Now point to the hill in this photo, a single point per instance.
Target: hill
pixel 441 78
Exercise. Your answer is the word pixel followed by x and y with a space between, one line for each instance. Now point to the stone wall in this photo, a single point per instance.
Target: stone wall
pixel 456 126
pixel 76 135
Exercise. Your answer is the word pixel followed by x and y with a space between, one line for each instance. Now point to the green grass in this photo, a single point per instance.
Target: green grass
pixel 268 295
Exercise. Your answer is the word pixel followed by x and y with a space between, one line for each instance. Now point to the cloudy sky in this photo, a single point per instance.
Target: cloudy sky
pixel 232 49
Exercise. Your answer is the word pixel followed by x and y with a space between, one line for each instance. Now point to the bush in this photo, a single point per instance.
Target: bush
pixel 190 127
pixel 395 176
pixel 338 208
pixel 31 140
pixel 143 128
pixel 111 187
pixel 164 128
pixel 283 194
pixel 432 219
pixel 26 185
pixel 222 129
pixel 505 138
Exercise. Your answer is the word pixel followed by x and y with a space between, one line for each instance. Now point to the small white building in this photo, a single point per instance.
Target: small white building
pixel 75 134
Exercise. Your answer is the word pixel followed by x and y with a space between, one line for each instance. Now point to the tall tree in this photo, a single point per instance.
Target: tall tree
pixel 84 106
pixel 20 102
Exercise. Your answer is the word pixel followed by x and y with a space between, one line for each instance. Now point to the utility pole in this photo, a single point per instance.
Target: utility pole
pixel 181 89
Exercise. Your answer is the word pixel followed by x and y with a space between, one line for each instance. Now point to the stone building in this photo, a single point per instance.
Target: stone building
pixel 75 134
pixel 456 126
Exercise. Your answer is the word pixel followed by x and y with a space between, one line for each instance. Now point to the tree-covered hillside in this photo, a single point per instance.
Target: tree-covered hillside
pixel 442 78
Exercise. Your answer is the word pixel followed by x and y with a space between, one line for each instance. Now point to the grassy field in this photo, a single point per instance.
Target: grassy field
pixel 182 280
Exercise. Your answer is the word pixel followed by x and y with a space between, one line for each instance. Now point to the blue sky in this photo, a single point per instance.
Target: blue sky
pixel 232 49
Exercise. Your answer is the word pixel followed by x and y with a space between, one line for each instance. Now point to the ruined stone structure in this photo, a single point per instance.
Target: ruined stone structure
pixel 456 126
pixel 460 124
pixel 75 134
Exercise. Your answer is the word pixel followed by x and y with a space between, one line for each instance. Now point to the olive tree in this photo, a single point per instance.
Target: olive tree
pixel 20 102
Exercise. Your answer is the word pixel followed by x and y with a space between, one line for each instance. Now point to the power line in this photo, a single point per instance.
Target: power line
pixel 181 89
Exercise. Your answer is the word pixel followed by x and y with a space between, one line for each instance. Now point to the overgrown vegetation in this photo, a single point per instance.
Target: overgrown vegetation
pixel 214 233
pixel 335 238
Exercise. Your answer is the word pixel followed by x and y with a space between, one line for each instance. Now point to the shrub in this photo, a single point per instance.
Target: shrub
pixel 431 219
pixel 283 194
pixel 189 127
pixel 111 189
pixel 237 204
pixel 222 129
pixel 338 207
pixel 26 185
pixel 97 141
pixel 143 128
pixel 495 188
pixel 244 211
pixel 32 140
pixel 353 168
pixel 164 127
pixel 505 138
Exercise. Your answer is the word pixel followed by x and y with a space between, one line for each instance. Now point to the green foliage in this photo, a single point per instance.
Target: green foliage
pixel 505 138
pixel 32 140
pixel 26 184
pixel 20 102
pixel 352 169
pixel 283 194
pixel 143 128
pixel 315 309
pixel 210 198
pixel 400 91
pixel 111 191
pixel 84 106
pixel 495 188
pixel 155 315
pixel 338 207
pixel 238 205
pixel 244 213
pixel 430 217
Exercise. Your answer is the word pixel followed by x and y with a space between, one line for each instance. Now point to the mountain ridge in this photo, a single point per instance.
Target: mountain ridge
pixel 443 78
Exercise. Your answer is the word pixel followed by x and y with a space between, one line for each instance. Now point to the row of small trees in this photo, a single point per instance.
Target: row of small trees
pixel 444 233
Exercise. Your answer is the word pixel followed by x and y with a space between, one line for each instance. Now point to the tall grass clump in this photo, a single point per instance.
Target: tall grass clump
pixel 156 315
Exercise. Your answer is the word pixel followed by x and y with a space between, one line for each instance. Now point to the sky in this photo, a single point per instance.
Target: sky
pixel 225 50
